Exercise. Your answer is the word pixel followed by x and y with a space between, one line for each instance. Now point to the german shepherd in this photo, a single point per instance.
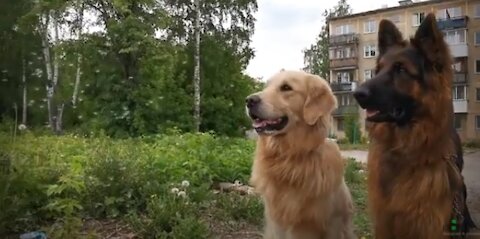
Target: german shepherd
pixel 415 186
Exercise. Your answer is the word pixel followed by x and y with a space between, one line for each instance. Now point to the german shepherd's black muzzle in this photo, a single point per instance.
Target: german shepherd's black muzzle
pixel 383 102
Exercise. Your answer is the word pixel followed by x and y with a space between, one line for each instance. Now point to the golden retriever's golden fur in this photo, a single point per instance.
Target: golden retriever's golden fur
pixel 296 170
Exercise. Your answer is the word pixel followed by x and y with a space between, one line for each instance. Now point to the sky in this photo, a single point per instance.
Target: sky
pixel 285 27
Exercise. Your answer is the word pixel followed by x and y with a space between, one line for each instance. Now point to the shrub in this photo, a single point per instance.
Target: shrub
pixel 352 129
pixel 55 183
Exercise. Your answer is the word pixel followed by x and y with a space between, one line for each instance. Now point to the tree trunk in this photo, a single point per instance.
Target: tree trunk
pixel 59 125
pixel 196 77
pixel 24 102
pixel 80 7
pixel 55 55
pixel 45 20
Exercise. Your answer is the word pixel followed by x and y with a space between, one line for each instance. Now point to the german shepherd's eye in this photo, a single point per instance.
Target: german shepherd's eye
pixel 398 67
pixel 285 87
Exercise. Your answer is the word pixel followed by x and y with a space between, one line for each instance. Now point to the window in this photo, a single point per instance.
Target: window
pixel 477 66
pixel 343 29
pixel 451 12
pixel 477 122
pixel 344 77
pixel 344 99
pixel 477 38
pixel 417 18
pixel 370 26
pixel 369 74
pixel 341 53
pixel 459 92
pixel 340 124
pixel 477 10
pixel 457 121
pixel 369 51
pixel 455 37
pixel 478 94
pixel 457 66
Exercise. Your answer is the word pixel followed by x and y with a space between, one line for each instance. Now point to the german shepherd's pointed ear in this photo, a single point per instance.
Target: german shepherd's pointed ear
pixel 388 36
pixel 320 100
pixel 429 40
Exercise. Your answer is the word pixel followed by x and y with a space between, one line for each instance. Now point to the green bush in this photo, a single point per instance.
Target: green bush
pixel 56 183
pixel 352 129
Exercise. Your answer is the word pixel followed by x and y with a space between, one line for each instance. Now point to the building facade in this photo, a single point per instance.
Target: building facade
pixel 353 51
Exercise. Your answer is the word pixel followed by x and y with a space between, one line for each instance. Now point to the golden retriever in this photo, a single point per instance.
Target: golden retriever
pixel 299 173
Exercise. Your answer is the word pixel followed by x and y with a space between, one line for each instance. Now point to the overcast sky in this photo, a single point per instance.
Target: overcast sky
pixel 285 27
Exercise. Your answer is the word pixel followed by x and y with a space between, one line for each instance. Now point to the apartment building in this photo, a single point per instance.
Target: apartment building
pixel 353 50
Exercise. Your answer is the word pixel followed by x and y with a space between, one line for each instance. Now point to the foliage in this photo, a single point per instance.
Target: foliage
pixel 355 177
pixel 138 181
pixel 352 129
pixel 137 64
pixel 316 56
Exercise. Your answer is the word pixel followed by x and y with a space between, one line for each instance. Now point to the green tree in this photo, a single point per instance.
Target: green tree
pixel 352 128
pixel 316 56
pixel 134 76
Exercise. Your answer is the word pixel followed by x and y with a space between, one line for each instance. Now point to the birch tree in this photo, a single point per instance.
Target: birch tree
pixel 49 18
pixel 80 6
pixel 196 77
pixel 24 95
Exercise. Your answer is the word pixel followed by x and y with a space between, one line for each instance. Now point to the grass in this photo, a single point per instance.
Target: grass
pixel 151 187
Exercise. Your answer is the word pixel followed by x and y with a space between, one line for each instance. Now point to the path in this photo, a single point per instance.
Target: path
pixel 471 173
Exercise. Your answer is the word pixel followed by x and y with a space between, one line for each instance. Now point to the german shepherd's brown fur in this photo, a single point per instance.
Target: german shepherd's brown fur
pixel 412 178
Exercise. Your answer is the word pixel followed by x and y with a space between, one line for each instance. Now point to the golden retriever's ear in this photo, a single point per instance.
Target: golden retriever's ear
pixel 320 101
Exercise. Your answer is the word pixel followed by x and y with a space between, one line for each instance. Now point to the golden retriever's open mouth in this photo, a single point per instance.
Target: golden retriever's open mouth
pixel 269 125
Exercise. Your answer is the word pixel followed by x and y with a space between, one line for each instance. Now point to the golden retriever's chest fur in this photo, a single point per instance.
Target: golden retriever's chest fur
pixel 298 189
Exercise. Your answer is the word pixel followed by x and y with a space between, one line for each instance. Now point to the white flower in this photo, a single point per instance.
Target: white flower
pixel 174 190
pixel 360 171
pixel 22 127
pixel 182 194
pixel 185 183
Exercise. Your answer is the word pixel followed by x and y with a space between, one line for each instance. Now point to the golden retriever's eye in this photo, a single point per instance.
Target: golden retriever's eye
pixel 285 87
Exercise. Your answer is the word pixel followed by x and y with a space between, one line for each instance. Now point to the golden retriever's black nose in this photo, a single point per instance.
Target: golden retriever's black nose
pixel 252 100
pixel 361 94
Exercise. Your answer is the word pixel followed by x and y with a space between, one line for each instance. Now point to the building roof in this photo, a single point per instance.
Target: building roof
pixel 380 10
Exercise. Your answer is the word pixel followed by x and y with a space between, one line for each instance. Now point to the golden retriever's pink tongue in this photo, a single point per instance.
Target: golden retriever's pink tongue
pixel 259 123
pixel 262 123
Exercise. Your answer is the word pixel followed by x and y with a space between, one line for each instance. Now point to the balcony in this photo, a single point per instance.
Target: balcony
pixel 344 39
pixel 460 106
pixel 345 63
pixel 345 110
pixel 452 23
pixel 459 78
pixel 458 50
pixel 341 86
